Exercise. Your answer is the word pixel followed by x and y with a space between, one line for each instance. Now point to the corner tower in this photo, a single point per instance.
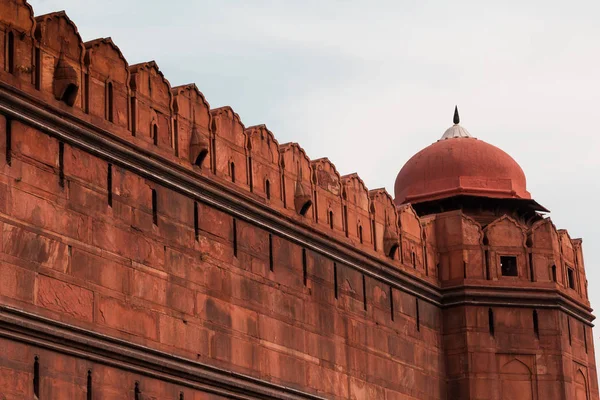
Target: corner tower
pixel 516 314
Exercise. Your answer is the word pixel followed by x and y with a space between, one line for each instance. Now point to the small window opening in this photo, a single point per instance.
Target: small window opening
pixel 201 157
pixel 418 315
pixel 569 329
pixel 414 259
pixel 304 268
pixel 271 252
pixel 331 219
pixel 464 269
pixel 491 321
pixel 553 273
pixel 176 136
pixel 8 130
pixel 61 164
pixel 181 397
pixel 213 149
pixel 154 207
pixel 70 94
pixel 536 327
pixel 133 107
pixel 346 228
pixel 487 265
pixel 584 337
pixel 392 303
pixel 155 134
pixel 232 171
pixel 305 207
pixel 374 233
pixel 89 385
pixel 86 92
pixel 109 185
pixel 235 251
pixel 268 189
pixel 11 52
pixel 38 69
pixel 250 174
pixel 137 392
pixel 531 267
pixel 393 250
pixel 196 222
pixel 571 277
pixel 360 234
pixel 508 265
pixel 109 102
pixel 36 377
pixel 335 281
pixel 316 209
pixel 364 287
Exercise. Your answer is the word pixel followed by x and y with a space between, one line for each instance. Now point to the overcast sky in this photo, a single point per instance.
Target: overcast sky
pixel 369 85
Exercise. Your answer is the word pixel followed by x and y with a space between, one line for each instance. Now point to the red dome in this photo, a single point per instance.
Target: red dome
pixel 460 166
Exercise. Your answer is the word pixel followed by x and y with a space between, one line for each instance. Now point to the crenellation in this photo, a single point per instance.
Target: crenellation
pixel 296 184
pixel 357 211
pixel 230 147
pixel 106 84
pixel 264 162
pixel 327 196
pixel 92 243
pixel 192 127
pixel 61 61
pixel 151 106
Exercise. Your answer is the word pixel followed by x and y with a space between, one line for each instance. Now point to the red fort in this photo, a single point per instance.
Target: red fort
pixel 155 248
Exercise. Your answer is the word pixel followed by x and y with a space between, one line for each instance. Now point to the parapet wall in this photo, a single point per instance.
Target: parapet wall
pixel 131 210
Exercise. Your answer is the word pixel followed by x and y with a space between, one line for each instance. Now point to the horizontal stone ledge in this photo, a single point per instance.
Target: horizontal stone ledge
pixel 84 344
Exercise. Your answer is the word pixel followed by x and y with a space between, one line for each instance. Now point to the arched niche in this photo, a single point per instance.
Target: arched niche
pixel 229 146
pixel 106 85
pixel 264 161
pixel 61 59
pixel 297 186
pixel 191 126
pixel 581 386
pixel 516 380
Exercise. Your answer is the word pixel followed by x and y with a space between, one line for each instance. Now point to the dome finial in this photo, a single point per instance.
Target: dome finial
pixel 456 117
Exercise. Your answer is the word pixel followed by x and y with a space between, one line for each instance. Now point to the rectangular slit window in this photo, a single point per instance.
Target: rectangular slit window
pixel 235 252
pixel 109 185
pixel 571 277
pixel 154 208
pixel 392 302
pixel 61 164
pixel 196 222
pixel 36 377
pixel 508 265
pixel 364 284
pixel 8 141
pixel 271 252
pixel 304 269
pixel 418 316
pixel 335 281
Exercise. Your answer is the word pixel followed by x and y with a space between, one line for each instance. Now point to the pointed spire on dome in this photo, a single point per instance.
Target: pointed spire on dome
pixel 456 131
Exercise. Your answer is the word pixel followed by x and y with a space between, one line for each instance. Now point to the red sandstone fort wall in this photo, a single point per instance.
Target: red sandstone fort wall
pixel 338 295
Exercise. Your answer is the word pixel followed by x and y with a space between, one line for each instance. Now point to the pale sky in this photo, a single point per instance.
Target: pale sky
pixel 370 83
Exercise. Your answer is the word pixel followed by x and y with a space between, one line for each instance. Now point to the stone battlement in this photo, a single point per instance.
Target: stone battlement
pixel 134 216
